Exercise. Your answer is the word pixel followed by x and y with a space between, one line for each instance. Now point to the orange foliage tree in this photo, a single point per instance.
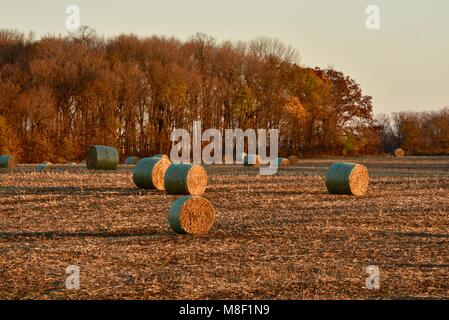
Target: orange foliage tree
pixel 61 94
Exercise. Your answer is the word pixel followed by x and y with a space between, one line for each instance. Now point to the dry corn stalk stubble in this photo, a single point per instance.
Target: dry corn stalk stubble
pixel 274 251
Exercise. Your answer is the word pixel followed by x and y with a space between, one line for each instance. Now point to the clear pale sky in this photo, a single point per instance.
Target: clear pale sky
pixel 404 65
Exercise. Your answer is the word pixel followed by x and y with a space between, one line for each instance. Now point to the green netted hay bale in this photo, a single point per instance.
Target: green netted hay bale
pixel 44 167
pixel 131 160
pixel 149 173
pixel 185 179
pixel 294 160
pixel 347 178
pixel 8 162
pixel 238 158
pixel 399 153
pixel 102 158
pixel 252 160
pixel 282 162
pixel 191 215
pixel 229 158
pixel 161 156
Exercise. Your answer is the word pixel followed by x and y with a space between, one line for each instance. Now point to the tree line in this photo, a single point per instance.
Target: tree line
pixel 58 95
pixel 418 133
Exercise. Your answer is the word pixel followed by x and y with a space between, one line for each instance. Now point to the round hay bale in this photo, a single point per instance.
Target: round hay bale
pixel 191 215
pixel 149 173
pixel 347 178
pixel 252 160
pixel 294 160
pixel 282 162
pixel 70 163
pixel 185 179
pixel 8 162
pixel 131 160
pixel 102 158
pixel 228 159
pixel 43 167
pixel 398 153
pixel 161 156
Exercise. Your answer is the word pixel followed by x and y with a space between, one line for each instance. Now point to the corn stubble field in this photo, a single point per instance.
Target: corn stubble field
pixel 275 237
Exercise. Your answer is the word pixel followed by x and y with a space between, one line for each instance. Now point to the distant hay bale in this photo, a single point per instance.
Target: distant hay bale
pixel 191 215
pixel 149 173
pixel 44 167
pixel 347 178
pixel 184 179
pixel 70 163
pixel 102 158
pixel 294 160
pixel 131 160
pixel 8 162
pixel 399 153
pixel 252 160
pixel 282 162
pixel 228 159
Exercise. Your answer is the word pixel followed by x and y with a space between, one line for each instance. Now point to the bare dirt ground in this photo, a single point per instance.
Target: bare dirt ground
pixel 277 237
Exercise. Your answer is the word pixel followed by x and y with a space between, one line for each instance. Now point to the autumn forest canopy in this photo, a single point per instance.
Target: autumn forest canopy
pixel 58 95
